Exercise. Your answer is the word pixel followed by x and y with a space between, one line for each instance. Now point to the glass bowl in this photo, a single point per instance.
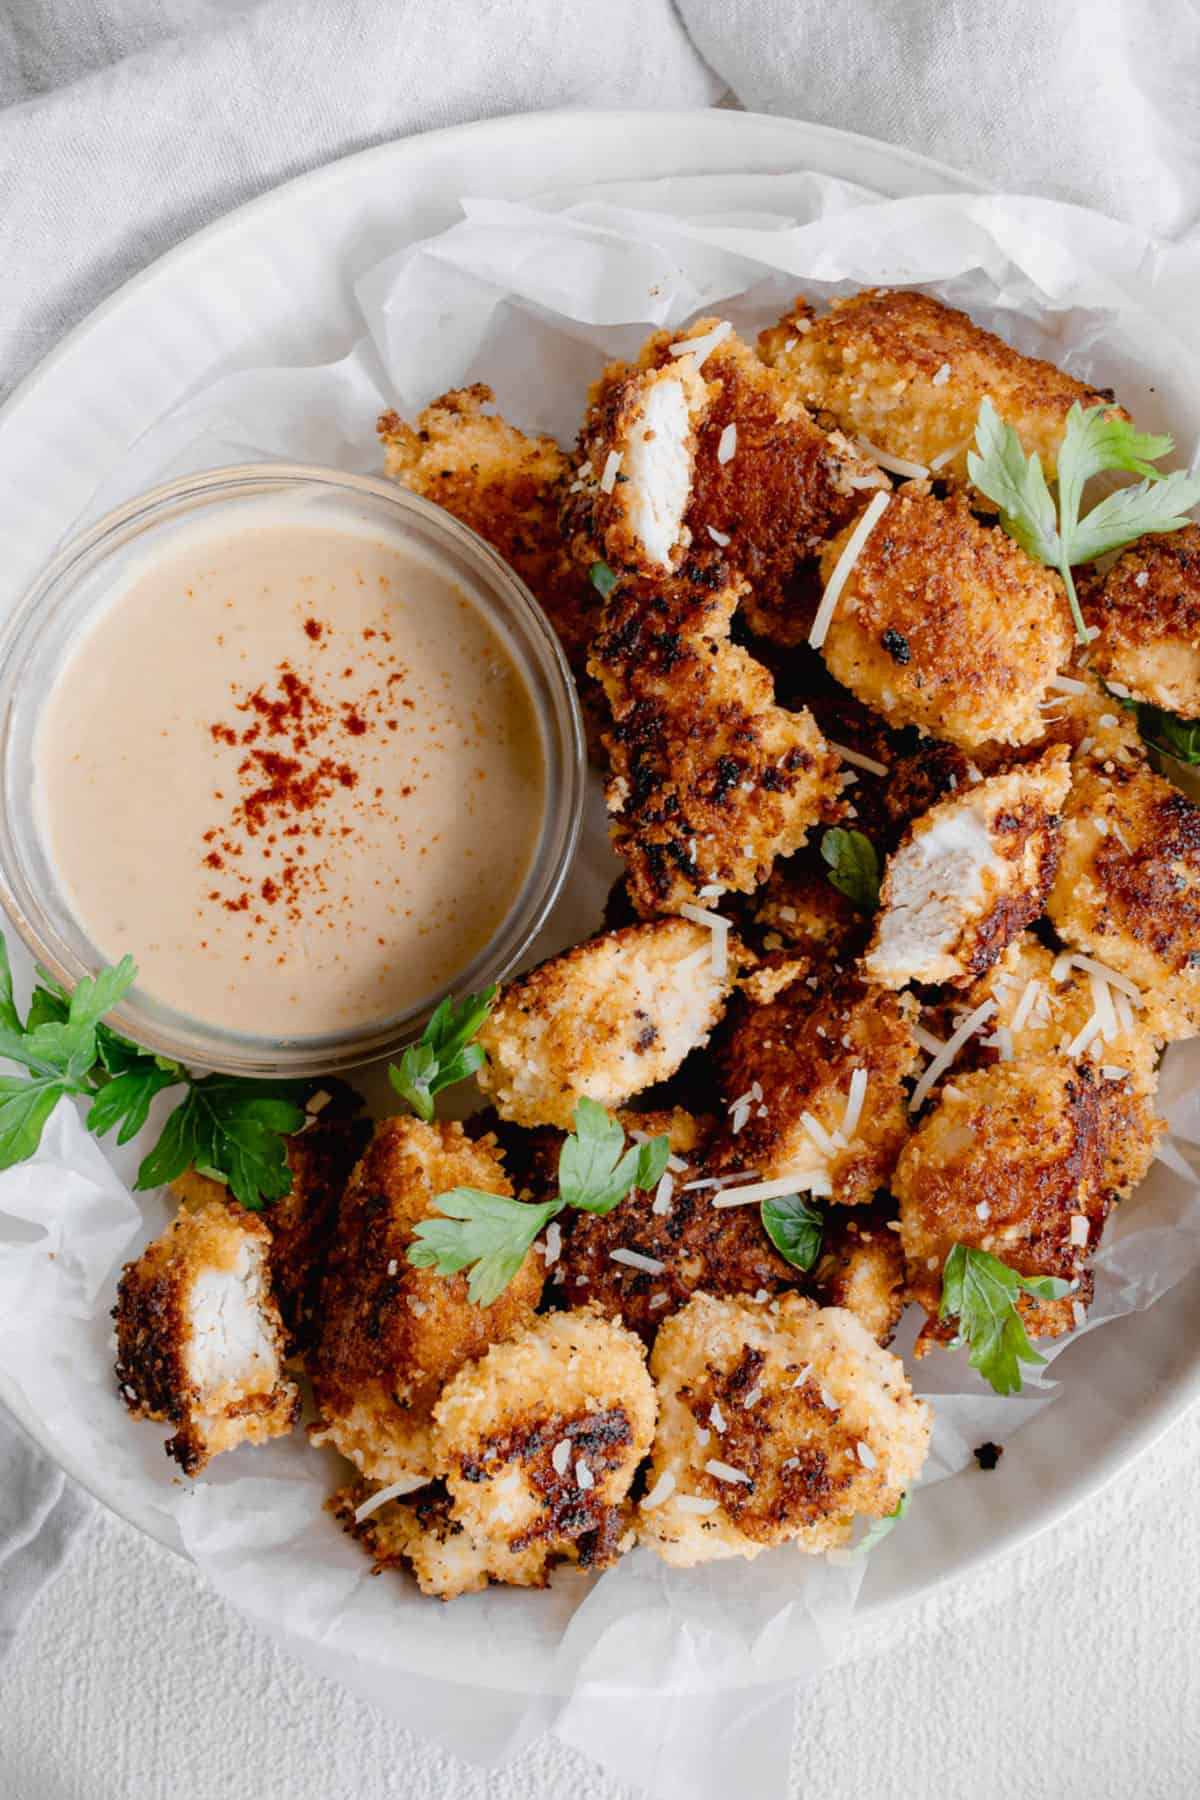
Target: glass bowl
pixel 46 623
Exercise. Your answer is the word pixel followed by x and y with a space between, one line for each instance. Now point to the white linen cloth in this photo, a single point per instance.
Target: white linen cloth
pixel 128 124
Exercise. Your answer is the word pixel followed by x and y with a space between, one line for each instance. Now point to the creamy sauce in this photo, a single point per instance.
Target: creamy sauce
pixel 294 771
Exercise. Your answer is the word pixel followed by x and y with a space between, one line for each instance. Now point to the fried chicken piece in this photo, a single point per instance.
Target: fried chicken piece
pixel 302 1224
pixel 1045 1006
pixel 1128 883
pixel 777 1424
pixel 1010 1160
pixel 970 876
pixel 1147 611
pixel 907 374
pixel 390 1335
pixel 507 486
pixel 695 1245
pixel 421 1533
pixel 711 780
pixel 947 624
pixel 199 1338
pixel 792 1075
pixel 800 915
pixel 607 1019
pixel 861 1267
pixel 722 464
pixel 538 1443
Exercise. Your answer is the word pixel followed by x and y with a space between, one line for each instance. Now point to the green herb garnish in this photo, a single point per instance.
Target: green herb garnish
pixel 981 1293
pixel 795 1228
pixel 1093 443
pixel 1165 731
pixel 881 1528
pixel 602 578
pixel 853 866
pixel 232 1131
pixel 490 1234
pixel 444 1053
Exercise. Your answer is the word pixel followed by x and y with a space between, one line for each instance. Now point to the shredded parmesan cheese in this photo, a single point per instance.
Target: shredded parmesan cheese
pixel 609 477
pixel 663 1194
pixel 944 1058
pixel 723 1471
pixel 1120 982
pixel 896 465
pixel 727 444
pixel 692 1503
pixel 845 563
pixel 1079 1229
pixel 812 1181
pixel 818 1134
pixel 719 928
pixel 860 762
pixel 718 537
pixel 700 347
pixel 662 1490
pixel 1030 993
pixel 633 1259
pixel 407 1484
pixel 854 1104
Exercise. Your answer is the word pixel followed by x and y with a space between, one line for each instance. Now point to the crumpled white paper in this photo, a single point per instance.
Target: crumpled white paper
pixel 681 1682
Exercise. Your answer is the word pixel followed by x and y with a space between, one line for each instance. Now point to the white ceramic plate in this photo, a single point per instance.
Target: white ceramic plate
pixel 273 283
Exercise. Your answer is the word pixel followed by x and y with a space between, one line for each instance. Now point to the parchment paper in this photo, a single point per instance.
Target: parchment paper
pixel 678 1682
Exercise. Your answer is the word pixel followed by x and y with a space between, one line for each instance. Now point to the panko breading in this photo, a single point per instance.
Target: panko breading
pixel 199 1338
pixel 302 1224
pixel 908 374
pixel 389 1335
pixel 1045 1006
pixel 801 915
pixel 605 1020
pixel 711 780
pixel 777 1424
pixel 806 1056
pixel 538 1444
pixel 1008 1159
pixel 1147 611
pixel 1128 884
pixel 421 1534
pixel 861 1267
pixel 970 876
pixel 946 623
pixel 725 465
pixel 506 485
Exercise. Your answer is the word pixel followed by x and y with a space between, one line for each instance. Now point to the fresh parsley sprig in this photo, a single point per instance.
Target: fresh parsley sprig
pixel 881 1528
pixel 444 1053
pixel 795 1228
pixel 602 578
pixel 1093 443
pixel 981 1293
pixel 490 1234
pixel 853 866
pixel 1165 731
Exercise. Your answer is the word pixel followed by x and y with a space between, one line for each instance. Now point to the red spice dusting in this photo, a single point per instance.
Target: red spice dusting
pixel 315 629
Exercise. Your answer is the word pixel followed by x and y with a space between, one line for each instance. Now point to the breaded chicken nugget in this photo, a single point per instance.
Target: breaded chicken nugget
pixel 390 1336
pixel 801 915
pixel 861 1266
pixel 1128 883
pixel 1147 610
pixel 199 1337
pixel 539 1442
pixel 1009 1161
pixel 607 1020
pixel 777 1424
pixel 645 1259
pixel 970 876
pixel 507 485
pixel 947 624
pixel 711 780
pixel 907 374
pixel 421 1533
pixel 302 1224
pixel 1046 1005
pixel 817 1085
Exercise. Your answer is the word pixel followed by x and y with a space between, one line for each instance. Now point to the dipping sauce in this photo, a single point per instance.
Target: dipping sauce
pixel 294 771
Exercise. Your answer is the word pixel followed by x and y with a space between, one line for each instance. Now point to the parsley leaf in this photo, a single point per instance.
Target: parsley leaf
pixel 233 1130
pixel 853 866
pixel 1167 732
pixel 488 1233
pixel 981 1293
pixel 795 1228
pixel 602 578
pixel 444 1052
pixel 491 1234
pixel 881 1528
pixel 1093 443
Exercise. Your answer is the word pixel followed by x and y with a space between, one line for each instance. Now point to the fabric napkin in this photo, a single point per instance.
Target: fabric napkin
pixel 126 125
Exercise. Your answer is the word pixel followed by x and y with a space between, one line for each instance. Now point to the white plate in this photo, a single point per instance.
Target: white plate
pixel 273 283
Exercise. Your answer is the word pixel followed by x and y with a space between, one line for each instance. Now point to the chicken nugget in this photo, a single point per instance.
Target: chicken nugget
pixel 421 1534
pixel 906 374
pixel 1009 1160
pixel 861 1266
pixel 970 876
pixel 1147 611
pixel 605 1020
pixel 947 624
pixel 799 915
pixel 817 1086
pixel 390 1335
pixel 199 1338
pixel 777 1424
pixel 711 780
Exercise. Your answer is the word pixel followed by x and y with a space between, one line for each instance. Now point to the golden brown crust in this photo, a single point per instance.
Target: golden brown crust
pixel 1005 1160
pixel 861 1266
pixel 799 1055
pixel 800 916
pixel 947 624
pixel 392 1335
pixel 697 807
pixel 908 373
pixel 1147 610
